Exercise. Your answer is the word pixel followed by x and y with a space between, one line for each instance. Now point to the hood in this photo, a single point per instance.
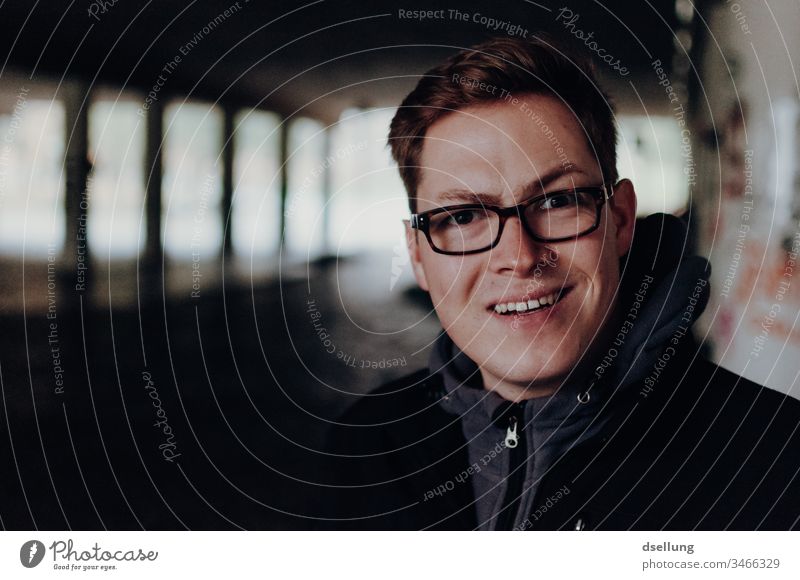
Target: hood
pixel 662 294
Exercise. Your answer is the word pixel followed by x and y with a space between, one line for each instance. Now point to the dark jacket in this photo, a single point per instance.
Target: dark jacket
pixel 671 441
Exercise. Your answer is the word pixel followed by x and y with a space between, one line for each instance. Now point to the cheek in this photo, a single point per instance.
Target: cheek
pixel 599 269
pixel 453 281
pixel 605 273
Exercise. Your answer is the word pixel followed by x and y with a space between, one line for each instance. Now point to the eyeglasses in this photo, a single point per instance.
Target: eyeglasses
pixel 552 217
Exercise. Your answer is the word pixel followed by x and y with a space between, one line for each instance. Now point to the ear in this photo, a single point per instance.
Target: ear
pixel 623 211
pixel 412 237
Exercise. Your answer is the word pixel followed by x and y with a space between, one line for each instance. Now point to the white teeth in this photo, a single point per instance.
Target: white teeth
pixel 548 300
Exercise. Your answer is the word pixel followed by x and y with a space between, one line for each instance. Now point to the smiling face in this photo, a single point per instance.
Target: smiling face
pixel 524 311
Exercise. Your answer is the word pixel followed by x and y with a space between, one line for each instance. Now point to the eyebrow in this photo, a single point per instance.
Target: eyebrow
pixel 529 189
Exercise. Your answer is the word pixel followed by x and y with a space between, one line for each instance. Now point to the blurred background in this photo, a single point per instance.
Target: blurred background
pixel 201 239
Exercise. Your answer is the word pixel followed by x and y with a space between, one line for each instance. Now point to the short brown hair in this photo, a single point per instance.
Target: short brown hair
pixel 514 66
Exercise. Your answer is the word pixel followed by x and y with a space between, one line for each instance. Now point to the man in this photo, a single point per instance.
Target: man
pixel 566 391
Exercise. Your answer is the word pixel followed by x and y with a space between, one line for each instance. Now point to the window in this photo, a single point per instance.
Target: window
pixel 369 202
pixel 307 166
pixel 116 220
pixel 650 155
pixel 255 215
pixel 32 213
pixel 192 192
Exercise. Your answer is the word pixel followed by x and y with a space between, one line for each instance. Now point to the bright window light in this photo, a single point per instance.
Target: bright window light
pixel 307 166
pixel 368 202
pixel 32 213
pixel 255 219
pixel 650 155
pixel 192 191
pixel 116 221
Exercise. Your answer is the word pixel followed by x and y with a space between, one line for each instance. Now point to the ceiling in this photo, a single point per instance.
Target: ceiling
pixel 314 58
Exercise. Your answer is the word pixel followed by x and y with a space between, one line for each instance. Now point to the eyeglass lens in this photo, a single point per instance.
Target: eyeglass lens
pixel 563 215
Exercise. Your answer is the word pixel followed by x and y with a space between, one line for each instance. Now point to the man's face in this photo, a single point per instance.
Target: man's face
pixel 502 154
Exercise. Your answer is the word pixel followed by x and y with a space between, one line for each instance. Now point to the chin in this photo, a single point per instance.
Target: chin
pixel 526 370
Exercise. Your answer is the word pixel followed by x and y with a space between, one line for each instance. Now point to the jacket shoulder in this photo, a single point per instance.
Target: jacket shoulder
pixel 388 450
pixel 396 399
pixel 737 392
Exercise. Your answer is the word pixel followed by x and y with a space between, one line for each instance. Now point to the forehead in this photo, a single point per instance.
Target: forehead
pixel 500 147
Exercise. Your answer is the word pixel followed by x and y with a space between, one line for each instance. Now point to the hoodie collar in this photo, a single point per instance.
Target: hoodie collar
pixel 464 392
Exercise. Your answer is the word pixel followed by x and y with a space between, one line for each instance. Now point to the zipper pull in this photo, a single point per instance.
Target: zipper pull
pixel 512 437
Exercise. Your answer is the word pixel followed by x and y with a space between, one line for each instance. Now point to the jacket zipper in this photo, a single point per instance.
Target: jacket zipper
pixel 516 447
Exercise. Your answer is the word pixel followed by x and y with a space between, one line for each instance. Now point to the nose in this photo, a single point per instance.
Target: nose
pixel 517 253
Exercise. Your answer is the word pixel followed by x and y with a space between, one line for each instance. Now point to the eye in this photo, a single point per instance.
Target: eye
pixel 560 200
pixel 462 218
pixel 459 218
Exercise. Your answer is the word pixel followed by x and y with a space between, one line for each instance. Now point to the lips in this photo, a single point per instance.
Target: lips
pixel 525 304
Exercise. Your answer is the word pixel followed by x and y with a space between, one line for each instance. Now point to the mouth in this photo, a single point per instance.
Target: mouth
pixel 530 305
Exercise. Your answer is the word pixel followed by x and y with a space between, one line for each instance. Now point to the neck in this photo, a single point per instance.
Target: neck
pixel 515 391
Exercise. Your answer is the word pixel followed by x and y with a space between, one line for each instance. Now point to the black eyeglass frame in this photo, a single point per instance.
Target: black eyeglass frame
pixel 421 221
